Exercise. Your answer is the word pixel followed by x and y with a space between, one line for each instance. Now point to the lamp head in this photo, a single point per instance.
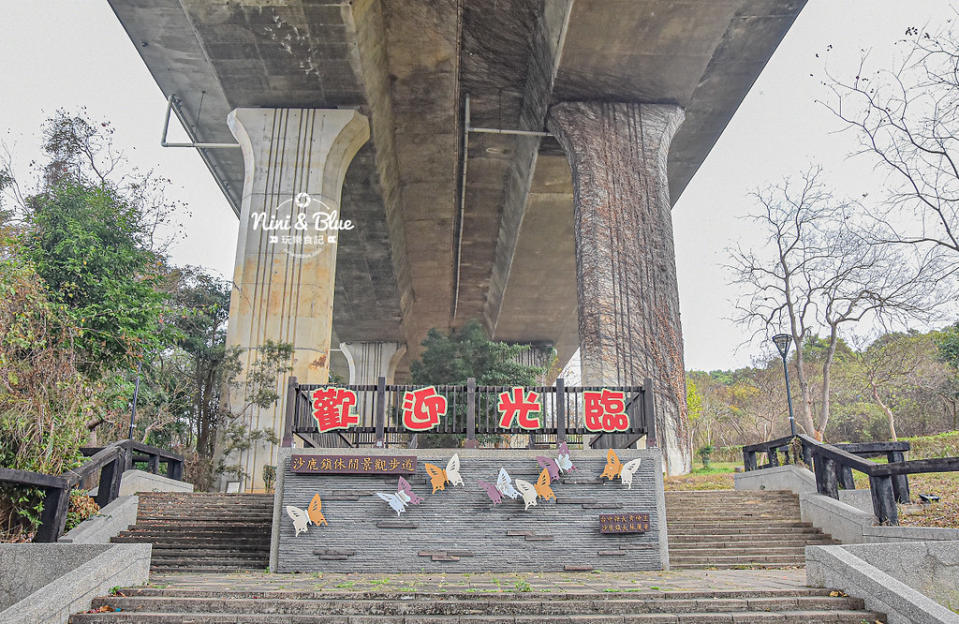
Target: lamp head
pixel 782 342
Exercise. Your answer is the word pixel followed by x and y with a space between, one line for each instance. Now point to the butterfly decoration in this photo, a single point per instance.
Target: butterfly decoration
pixel 542 486
pixel 404 486
pixel 613 466
pixel 315 511
pixel 302 519
pixel 396 501
pixel 528 491
pixel 404 496
pixel 629 469
pixel 440 477
pixel 494 494
pixel 549 464
pixel 505 484
pixel 563 459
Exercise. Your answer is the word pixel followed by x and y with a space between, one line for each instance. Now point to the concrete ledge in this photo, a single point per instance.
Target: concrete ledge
pixel 849 520
pixel 836 567
pixel 860 499
pixel 135 481
pixel 46 583
pixel 112 519
pixel 872 534
pixel 843 522
pixel 789 477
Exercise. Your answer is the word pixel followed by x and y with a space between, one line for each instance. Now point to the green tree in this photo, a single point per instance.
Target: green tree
pixel 451 359
pixel 45 401
pixel 468 352
pixel 85 243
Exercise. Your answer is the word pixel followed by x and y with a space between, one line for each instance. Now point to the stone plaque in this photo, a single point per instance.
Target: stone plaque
pixel 624 523
pixel 353 464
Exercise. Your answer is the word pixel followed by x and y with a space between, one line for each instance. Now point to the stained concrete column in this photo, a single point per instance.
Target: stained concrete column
pixel 628 299
pixel 369 361
pixel 295 161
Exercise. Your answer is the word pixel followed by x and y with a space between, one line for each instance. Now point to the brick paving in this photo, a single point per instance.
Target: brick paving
pixel 567 582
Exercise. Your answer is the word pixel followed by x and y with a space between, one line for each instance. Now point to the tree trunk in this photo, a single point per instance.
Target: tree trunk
pixel 805 417
pixel 826 370
pixel 885 408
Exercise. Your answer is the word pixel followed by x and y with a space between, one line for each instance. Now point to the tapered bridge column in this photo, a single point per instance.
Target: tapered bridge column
pixel 629 326
pixel 295 161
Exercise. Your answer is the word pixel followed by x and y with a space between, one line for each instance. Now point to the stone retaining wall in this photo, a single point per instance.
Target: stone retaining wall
pixel 459 529
pixel 46 583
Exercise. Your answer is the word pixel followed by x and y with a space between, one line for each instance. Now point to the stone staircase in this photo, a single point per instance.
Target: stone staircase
pixel 180 606
pixel 738 529
pixel 201 532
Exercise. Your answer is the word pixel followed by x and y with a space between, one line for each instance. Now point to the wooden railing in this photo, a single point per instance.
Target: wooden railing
pixel 105 465
pixel 472 411
pixel 833 466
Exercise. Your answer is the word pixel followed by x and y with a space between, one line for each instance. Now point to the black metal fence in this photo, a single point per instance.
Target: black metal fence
pixel 104 468
pixel 833 466
pixel 471 412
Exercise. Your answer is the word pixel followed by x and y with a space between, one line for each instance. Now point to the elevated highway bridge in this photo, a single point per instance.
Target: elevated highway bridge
pixel 540 208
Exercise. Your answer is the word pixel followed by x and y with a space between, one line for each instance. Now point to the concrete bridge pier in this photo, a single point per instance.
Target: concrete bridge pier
pixel 629 325
pixel 368 361
pixel 295 161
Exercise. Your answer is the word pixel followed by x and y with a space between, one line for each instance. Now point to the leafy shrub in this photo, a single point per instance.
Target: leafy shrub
pixel 705 454
pixel 45 402
pixel 82 506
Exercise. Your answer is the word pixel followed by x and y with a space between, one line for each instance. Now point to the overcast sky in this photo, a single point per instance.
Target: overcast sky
pixel 74 53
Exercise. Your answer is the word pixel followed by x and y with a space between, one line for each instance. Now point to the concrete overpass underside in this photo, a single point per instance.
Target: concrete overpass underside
pixel 428 251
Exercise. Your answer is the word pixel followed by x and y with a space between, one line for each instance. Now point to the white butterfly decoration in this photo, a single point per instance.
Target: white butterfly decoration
pixel 505 484
pixel 397 501
pixel 563 459
pixel 300 520
pixel 629 469
pixel 528 491
pixel 453 470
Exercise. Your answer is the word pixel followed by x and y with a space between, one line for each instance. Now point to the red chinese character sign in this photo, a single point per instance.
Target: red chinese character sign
pixel 331 408
pixel 423 408
pixel 515 405
pixel 605 411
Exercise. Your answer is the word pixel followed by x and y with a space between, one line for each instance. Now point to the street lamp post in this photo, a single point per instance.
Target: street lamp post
pixel 136 395
pixel 782 342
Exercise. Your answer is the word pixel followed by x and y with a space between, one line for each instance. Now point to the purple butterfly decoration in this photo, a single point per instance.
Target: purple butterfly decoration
pixel 492 492
pixel 563 460
pixel 551 466
pixel 404 486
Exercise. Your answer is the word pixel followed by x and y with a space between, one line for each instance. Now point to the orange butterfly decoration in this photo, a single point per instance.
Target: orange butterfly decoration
pixel 613 466
pixel 542 486
pixel 314 511
pixel 438 478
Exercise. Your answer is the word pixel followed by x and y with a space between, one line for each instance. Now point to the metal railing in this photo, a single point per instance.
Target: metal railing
pixel 833 465
pixel 471 412
pixel 105 466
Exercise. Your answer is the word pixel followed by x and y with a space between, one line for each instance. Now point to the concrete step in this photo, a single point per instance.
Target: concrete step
pixel 717 541
pixel 173 592
pixel 785 617
pixel 194 542
pixel 200 528
pixel 715 528
pixel 475 606
pixel 730 494
pixel 798 551
pixel 722 561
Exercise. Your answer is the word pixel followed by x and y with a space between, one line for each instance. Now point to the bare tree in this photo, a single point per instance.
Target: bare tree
pixel 822 270
pixel 907 120
pixel 781 282
pixel 896 363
